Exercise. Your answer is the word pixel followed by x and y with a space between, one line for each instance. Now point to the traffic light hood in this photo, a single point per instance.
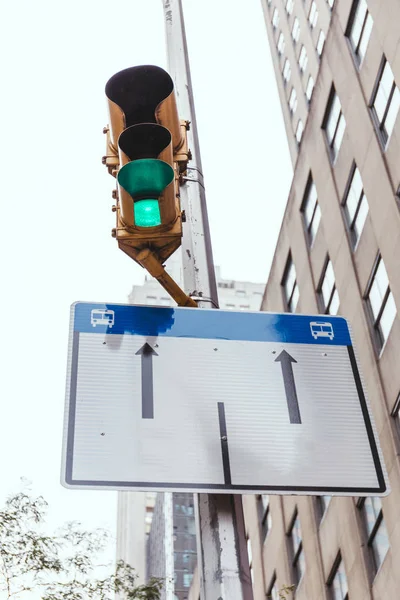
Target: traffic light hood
pixel 143 94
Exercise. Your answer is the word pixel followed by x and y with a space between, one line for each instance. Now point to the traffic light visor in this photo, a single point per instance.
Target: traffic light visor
pixel 145 178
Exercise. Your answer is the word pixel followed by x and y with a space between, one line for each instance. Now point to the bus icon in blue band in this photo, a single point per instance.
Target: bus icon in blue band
pixel 321 329
pixel 100 316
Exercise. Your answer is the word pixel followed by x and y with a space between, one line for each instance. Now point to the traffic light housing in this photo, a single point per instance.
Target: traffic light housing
pixel 147 153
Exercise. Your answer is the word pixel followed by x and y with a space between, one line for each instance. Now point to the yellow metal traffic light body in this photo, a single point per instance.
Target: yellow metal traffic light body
pixel 146 152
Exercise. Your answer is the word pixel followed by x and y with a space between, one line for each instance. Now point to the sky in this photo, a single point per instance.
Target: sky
pixel 56 245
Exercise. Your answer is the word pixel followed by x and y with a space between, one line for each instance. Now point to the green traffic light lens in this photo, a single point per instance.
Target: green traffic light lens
pixel 147 213
pixel 146 177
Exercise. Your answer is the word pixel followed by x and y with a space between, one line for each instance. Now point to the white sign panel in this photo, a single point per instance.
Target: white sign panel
pixel 218 401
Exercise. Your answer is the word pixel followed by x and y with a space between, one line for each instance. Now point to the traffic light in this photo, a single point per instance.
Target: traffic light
pixel 146 152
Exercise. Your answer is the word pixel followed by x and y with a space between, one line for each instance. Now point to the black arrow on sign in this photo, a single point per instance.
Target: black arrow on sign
pixel 290 386
pixel 147 352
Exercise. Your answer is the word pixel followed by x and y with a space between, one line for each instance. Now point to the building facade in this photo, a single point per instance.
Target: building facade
pixel 338 252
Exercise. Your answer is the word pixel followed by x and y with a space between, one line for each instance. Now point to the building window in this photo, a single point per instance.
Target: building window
pixel 381 303
pixel 293 101
pixel 296 30
pixel 334 125
pixel 309 88
pixel 273 593
pixel 338 582
pixel 323 503
pixel 355 206
pixel 313 15
pixel 281 44
pixel 250 557
pixel 320 43
pixel 378 540
pixel 303 59
pixel 290 287
pixel 275 18
pixel 328 293
pixel 264 515
pixel 359 30
pixel 298 561
pixel 287 71
pixel 311 211
pixel 299 131
pixel 396 413
pixel 386 103
pixel 289 6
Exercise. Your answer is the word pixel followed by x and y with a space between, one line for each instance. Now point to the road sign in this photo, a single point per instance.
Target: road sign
pixel 219 401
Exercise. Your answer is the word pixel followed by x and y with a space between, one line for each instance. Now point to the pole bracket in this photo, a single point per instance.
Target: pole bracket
pixel 199 298
pixel 149 261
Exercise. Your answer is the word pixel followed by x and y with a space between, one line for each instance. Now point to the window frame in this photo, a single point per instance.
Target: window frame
pixel 395 414
pixel 352 19
pixel 275 18
pixel 287 78
pixel 280 44
pixel 350 223
pixel 250 557
pixel 333 151
pixel 308 226
pixel 325 308
pixel 289 6
pixel 323 506
pixel 320 48
pixel 313 18
pixel 295 35
pixel 287 299
pixel 371 535
pixel 272 585
pixel 299 127
pixel 296 554
pixel 334 571
pixel 377 335
pixel 293 100
pixel 309 98
pixel 303 59
pixel 264 517
pixel 383 134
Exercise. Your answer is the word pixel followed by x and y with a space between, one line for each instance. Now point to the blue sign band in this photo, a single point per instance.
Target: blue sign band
pixel 123 319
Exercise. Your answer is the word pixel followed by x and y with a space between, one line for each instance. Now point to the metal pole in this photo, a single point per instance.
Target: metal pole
pixel 222 549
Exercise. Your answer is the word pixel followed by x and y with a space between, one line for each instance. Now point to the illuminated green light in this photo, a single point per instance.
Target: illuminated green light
pixel 147 213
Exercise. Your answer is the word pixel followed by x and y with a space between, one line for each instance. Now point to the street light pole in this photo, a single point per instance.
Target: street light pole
pixel 221 540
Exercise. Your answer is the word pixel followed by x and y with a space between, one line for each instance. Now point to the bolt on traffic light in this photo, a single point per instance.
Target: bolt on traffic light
pixel 146 152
